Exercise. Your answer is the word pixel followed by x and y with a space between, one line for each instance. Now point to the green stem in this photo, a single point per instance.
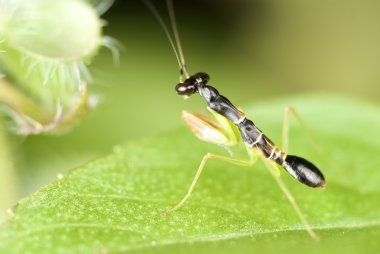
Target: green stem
pixel 8 179
pixel 22 104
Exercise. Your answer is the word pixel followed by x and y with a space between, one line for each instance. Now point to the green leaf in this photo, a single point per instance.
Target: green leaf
pixel 112 204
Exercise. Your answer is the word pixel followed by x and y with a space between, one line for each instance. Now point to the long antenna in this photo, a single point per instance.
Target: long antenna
pixel 157 15
pixel 169 3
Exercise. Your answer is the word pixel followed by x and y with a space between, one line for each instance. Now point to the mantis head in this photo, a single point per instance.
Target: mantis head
pixel 190 85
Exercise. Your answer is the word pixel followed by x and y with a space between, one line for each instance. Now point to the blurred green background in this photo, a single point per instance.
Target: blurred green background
pixel 253 50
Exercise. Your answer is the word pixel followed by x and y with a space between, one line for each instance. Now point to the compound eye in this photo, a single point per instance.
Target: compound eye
pixel 185 88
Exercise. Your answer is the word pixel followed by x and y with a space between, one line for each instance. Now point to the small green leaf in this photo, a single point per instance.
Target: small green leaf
pixel 112 205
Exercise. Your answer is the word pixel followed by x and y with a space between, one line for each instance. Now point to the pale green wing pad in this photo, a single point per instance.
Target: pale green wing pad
pixel 230 128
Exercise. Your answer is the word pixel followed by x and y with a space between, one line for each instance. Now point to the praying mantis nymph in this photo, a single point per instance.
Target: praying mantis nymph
pixel 231 126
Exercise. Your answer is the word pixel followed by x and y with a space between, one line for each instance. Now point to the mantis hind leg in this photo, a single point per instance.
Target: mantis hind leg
pixel 313 140
pixel 273 169
pixel 285 131
pixel 207 157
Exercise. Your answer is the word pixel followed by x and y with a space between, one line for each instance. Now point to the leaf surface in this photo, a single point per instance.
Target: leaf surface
pixel 112 204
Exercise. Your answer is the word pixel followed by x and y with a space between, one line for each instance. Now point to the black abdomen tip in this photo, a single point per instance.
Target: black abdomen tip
pixel 304 171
